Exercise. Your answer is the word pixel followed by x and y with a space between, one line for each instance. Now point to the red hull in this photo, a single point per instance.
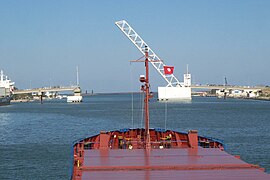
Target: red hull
pixel 173 155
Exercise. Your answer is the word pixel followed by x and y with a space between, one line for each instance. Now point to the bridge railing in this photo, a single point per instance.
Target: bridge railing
pixel 46 89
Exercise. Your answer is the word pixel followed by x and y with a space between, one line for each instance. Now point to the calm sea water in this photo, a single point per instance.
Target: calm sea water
pixel 36 139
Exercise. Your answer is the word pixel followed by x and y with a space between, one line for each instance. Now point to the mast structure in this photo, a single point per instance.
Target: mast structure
pixel 123 25
pixel 1 76
pixel 145 89
pixel 77 70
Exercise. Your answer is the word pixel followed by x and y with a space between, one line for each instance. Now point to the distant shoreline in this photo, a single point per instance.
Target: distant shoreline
pixel 116 93
pixel 112 93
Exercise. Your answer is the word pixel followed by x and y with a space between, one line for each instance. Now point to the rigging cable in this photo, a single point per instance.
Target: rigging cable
pixel 166 109
pixel 132 97
pixel 142 107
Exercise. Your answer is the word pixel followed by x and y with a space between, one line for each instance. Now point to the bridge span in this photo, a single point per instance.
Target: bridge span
pixel 74 88
pixel 46 89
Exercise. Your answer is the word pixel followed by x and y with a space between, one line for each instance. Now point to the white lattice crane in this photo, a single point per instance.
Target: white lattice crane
pixel 154 59
pixel 174 89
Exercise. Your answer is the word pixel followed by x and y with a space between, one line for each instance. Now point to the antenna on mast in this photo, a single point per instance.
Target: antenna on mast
pixel 145 88
pixel 77 69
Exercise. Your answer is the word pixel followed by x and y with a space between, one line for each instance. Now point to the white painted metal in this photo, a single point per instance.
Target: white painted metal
pixel 174 93
pixel 75 99
pixel 154 59
pixel 187 79
pixel 6 85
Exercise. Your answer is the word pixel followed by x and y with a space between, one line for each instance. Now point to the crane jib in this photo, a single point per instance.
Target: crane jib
pixel 141 44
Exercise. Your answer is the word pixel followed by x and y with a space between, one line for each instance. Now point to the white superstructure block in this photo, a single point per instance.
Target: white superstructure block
pixel 74 99
pixel 174 93
pixel 187 80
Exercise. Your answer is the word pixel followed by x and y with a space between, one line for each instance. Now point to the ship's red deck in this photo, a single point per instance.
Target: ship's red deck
pixel 185 163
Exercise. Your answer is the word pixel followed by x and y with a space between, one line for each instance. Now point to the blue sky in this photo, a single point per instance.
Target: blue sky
pixel 42 42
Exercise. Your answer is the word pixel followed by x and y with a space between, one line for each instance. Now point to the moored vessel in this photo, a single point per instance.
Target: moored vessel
pixel 76 98
pixel 4 101
pixel 146 153
pixel 6 88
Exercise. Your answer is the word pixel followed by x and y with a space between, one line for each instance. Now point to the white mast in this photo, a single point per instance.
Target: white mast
pixel 2 76
pixel 77 68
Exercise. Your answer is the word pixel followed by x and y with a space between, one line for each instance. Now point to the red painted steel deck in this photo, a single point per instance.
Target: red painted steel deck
pixel 181 163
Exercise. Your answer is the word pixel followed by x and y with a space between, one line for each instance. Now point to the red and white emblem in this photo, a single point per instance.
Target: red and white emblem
pixel 168 69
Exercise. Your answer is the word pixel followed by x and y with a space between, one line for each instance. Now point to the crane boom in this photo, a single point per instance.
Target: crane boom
pixel 153 58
